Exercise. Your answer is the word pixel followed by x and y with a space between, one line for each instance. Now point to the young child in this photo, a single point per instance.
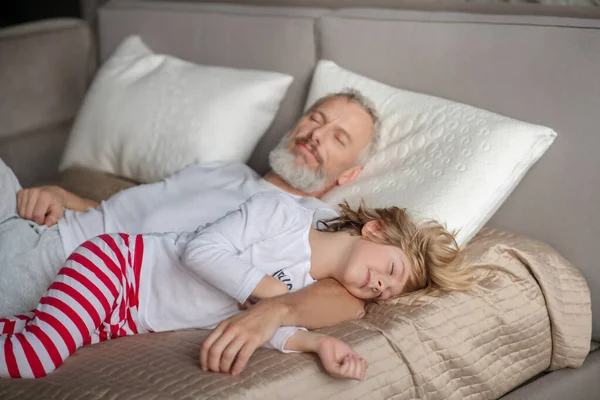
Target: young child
pixel 117 285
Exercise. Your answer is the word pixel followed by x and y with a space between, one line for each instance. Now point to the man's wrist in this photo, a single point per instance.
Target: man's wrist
pixel 74 202
pixel 280 307
pixel 59 192
pixel 65 197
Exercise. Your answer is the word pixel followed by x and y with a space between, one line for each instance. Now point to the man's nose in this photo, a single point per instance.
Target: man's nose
pixel 318 134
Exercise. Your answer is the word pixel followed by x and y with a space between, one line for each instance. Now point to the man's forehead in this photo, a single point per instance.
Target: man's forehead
pixel 350 115
pixel 338 104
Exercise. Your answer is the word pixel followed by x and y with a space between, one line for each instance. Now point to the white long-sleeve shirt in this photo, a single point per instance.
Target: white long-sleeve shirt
pixel 195 279
pixel 194 196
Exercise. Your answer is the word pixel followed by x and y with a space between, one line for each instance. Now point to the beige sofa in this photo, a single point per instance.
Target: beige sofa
pixel 542 69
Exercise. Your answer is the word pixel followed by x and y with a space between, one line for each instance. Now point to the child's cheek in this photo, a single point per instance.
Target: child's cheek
pixel 349 274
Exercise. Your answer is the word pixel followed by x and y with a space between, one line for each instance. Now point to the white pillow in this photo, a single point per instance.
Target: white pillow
pixel 437 158
pixel 148 115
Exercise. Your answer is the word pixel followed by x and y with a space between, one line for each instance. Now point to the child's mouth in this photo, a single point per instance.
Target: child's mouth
pixel 367 279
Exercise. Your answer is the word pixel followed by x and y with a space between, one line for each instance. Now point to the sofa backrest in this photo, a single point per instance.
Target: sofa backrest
pixel 45 69
pixel 564 8
pixel 538 69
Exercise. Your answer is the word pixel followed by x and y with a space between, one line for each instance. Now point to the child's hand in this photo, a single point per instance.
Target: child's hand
pixel 268 287
pixel 246 306
pixel 340 360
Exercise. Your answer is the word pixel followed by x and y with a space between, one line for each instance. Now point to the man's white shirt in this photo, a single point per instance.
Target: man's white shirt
pixel 192 197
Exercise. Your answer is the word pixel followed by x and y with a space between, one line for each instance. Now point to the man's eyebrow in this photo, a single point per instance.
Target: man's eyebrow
pixel 321 114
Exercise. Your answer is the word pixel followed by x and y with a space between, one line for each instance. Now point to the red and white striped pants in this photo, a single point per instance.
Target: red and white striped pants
pixel 93 298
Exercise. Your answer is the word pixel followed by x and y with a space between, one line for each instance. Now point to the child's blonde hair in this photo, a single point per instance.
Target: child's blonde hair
pixel 431 249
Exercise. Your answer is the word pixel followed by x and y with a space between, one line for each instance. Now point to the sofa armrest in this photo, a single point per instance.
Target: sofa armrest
pixel 45 71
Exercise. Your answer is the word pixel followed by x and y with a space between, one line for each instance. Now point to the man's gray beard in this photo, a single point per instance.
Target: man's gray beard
pixel 283 163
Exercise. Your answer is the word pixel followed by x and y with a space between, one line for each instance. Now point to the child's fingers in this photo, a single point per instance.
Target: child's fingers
pixel 344 369
pixel 352 366
pixel 358 369
pixel 362 368
pixel 365 366
pixel 246 306
pixel 356 372
pixel 349 368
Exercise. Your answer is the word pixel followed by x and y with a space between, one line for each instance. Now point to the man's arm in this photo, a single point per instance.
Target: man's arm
pixel 44 204
pixel 324 303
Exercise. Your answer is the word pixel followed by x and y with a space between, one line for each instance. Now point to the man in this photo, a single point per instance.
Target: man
pixel 328 146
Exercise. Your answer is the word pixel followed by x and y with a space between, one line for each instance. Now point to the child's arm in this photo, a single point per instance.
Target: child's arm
pixel 212 255
pixel 338 359
pixel 268 286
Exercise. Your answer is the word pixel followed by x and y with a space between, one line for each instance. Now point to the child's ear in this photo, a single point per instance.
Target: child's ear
pixel 372 229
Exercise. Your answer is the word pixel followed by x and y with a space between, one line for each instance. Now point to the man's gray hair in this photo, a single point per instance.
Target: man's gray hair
pixel 366 104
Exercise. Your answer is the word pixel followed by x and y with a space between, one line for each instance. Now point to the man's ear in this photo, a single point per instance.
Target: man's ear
pixel 372 229
pixel 349 175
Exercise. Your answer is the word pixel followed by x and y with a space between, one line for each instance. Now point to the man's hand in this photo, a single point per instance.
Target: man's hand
pixel 43 205
pixel 232 343
pixel 339 360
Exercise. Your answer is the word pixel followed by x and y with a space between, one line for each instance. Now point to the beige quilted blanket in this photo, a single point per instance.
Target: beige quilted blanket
pixel 531 313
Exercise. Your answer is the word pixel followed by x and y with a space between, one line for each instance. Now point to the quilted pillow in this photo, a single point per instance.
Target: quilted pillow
pixel 148 115
pixel 437 158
